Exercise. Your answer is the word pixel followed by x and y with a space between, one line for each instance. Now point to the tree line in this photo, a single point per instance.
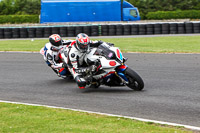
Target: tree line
pixel 146 6
pixel 20 7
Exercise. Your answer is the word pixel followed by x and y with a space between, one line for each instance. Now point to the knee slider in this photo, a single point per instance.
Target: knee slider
pixel 80 81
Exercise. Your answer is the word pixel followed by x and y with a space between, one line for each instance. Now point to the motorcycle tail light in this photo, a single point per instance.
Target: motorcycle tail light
pixel 112 63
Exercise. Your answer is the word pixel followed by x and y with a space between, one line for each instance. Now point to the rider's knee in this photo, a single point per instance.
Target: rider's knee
pixel 62 71
pixel 80 81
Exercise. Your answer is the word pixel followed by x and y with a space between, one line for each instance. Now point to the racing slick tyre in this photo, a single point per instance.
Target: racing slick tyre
pixel 135 81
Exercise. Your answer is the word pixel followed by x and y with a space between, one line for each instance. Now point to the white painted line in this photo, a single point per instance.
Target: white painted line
pixel 133 118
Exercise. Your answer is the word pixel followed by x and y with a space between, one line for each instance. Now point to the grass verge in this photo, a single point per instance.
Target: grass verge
pixel 23 118
pixel 166 44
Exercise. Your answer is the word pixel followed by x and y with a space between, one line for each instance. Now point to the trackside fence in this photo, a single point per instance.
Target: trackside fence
pixel 101 30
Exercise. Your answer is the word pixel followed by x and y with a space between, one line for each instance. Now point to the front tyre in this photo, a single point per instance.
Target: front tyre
pixel 135 81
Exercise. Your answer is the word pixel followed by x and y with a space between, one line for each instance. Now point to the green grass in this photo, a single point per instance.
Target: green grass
pixel 166 44
pixel 22 45
pixel 33 119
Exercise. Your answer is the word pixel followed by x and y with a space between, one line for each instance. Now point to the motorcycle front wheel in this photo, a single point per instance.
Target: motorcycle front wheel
pixel 135 81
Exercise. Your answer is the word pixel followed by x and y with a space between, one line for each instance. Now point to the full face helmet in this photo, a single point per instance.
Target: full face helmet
pixel 55 40
pixel 82 42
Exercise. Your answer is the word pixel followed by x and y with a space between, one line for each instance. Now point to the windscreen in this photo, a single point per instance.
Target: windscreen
pixel 103 50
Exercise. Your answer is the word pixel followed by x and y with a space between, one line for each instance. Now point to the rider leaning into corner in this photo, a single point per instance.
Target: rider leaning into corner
pixel 77 50
pixel 52 54
pixel 72 58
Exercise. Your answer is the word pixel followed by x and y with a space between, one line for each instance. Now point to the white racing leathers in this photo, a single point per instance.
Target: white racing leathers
pixel 50 56
pixel 75 62
pixel 53 59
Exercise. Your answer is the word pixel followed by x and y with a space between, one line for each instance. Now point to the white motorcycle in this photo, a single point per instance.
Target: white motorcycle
pixel 112 70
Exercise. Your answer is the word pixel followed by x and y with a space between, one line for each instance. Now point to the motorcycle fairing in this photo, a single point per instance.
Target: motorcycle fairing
pixel 120 71
pixel 122 68
pixel 119 55
pixel 111 79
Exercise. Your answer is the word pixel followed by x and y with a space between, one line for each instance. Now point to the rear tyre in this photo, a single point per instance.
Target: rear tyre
pixel 135 81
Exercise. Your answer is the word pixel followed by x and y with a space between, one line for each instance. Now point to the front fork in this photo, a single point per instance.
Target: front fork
pixel 120 73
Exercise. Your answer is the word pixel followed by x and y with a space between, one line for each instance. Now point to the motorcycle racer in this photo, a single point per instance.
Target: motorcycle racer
pixel 75 60
pixel 52 51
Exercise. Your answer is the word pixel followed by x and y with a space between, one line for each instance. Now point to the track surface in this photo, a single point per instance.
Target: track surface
pixel 171 93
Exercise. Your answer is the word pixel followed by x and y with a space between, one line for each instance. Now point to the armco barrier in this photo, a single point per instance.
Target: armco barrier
pixel 101 30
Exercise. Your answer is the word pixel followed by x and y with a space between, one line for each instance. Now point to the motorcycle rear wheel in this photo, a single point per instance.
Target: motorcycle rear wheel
pixel 135 81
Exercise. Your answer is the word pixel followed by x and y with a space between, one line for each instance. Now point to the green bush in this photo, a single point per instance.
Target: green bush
pixel 18 19
pixel 160 15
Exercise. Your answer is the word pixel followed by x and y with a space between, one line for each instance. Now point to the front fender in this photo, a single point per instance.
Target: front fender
pixel 121 68
pixel 120 72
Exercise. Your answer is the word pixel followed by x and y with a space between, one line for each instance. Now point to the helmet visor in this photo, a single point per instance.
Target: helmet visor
pixel 58 43
pixel 83 48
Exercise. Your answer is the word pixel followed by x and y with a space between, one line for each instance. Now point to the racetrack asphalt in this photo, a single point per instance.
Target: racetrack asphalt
pixel 171 92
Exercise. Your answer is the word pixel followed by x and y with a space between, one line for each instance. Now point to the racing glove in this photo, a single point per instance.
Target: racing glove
pixel 91 68
pixel 110 44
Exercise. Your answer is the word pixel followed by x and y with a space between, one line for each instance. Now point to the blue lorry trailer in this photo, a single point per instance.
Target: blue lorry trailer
pixel 87 11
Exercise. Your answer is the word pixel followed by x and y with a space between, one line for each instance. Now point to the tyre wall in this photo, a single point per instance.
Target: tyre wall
pixel 101 30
